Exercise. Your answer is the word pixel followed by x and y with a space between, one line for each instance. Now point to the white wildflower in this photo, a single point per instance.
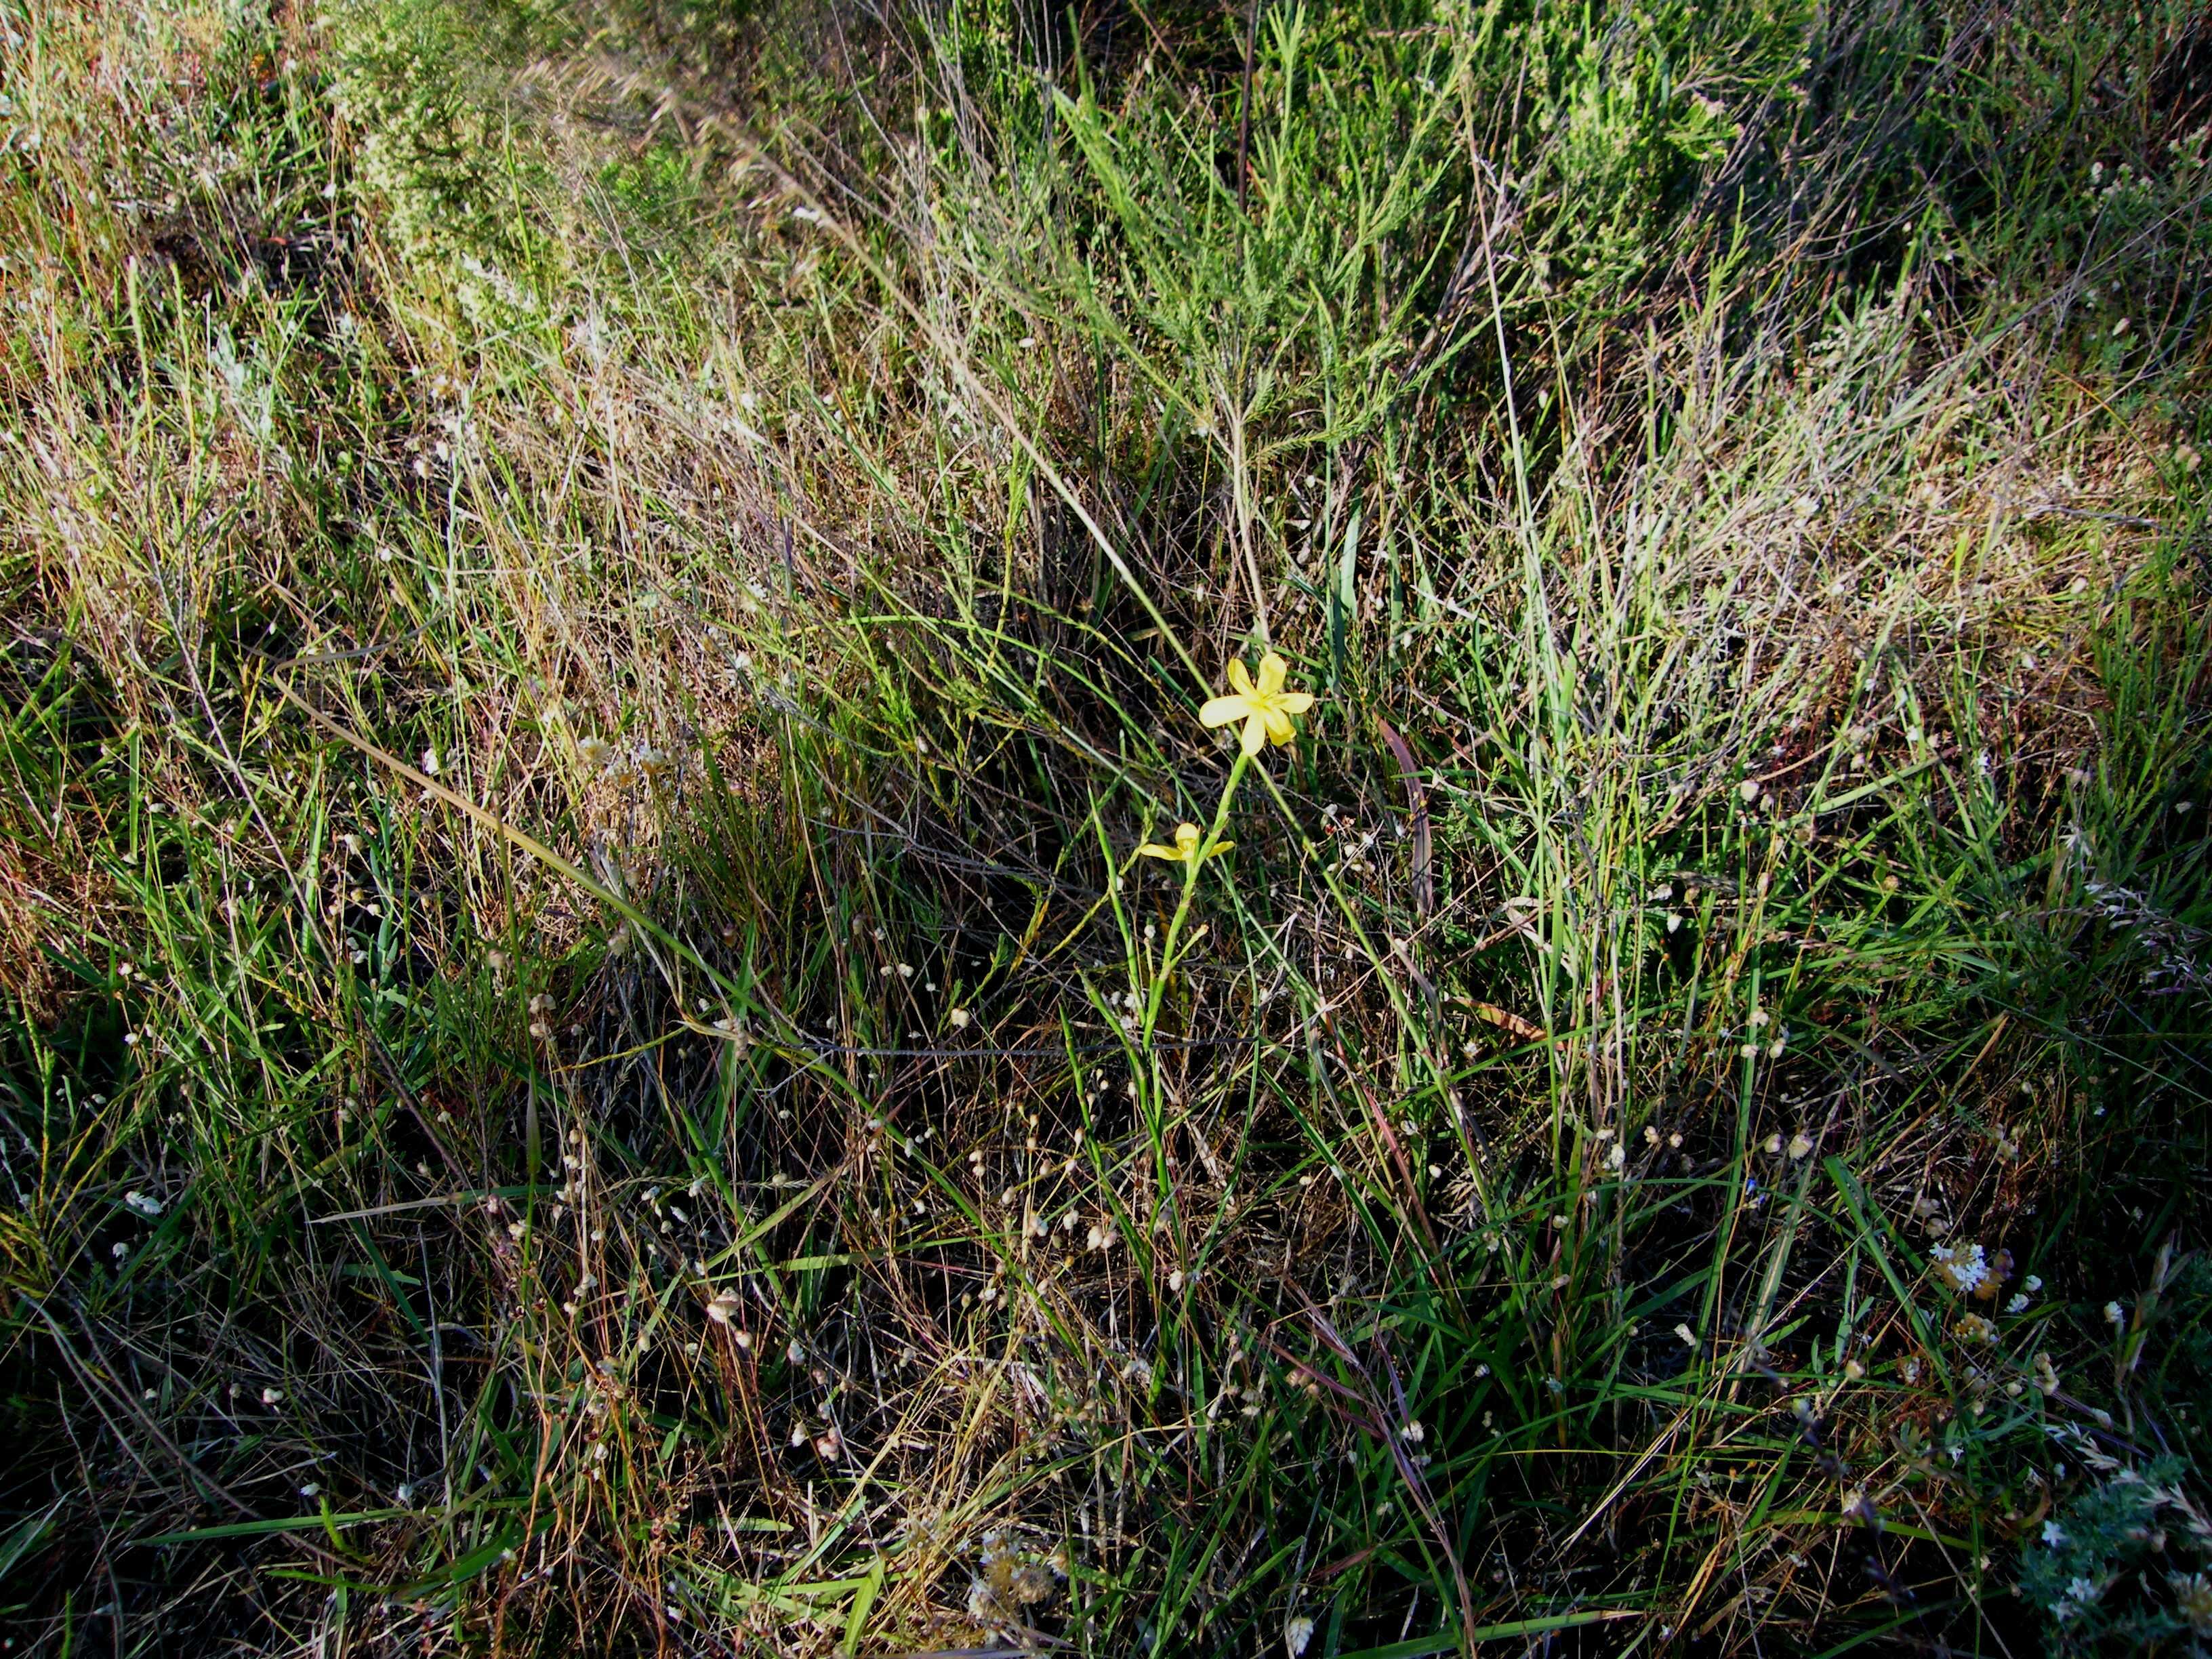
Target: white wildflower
pixel 1965 1266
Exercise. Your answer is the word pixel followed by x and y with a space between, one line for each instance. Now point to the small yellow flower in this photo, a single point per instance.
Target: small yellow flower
pixel 1185 850
pixel 1266 708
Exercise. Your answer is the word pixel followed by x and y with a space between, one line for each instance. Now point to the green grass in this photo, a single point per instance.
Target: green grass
pixel 599 598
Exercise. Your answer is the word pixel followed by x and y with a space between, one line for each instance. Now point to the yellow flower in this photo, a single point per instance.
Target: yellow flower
pixel 1266 708
pixel 1185 850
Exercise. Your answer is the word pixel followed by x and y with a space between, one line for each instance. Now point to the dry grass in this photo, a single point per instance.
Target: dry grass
pixel 597 612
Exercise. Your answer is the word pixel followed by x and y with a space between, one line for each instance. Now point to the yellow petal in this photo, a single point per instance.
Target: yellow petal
pixel 1295 702
pixel 1256 734
pixel 1152 850
pixel 1279 729
pixel 1240 676
pixel 1219 847
pixel 1220 711
pixel 1273 669
pixel 1187 838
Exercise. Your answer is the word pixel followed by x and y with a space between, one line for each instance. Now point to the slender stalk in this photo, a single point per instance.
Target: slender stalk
pixel 1190 890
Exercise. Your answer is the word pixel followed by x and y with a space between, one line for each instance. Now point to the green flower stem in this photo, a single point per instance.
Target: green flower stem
pixel 1190 888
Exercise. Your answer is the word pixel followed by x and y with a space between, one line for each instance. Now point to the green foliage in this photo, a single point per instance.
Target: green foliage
pixel 2121 1568
pixel 417 82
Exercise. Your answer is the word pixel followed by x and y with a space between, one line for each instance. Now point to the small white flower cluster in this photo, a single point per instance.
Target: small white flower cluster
pixel 1965 1266
pixel 2080 1592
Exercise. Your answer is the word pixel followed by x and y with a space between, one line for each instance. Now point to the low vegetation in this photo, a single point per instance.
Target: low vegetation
pixel 607 1041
